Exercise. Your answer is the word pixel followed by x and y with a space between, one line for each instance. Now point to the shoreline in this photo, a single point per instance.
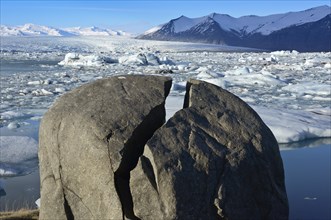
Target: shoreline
pixel 32 214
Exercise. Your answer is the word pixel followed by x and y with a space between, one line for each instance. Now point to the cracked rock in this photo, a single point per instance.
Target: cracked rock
pixel 214 159
pixel 105 153
pixel 91 139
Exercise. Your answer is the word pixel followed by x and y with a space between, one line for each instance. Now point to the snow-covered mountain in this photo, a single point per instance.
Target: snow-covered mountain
pixel 94 31
pixel 250 30
pixel 32 30
pixel 38 30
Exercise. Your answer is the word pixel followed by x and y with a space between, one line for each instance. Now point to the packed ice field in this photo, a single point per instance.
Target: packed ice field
pixel 291 91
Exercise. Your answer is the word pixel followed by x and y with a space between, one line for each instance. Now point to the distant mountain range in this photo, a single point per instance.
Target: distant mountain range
pixel 307 30
pixel 38 30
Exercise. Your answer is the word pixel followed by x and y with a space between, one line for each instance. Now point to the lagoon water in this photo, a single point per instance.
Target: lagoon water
pixel 307 178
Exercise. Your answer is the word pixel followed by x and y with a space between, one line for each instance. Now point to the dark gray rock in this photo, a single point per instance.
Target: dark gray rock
pixel 91 139
pixel 214 159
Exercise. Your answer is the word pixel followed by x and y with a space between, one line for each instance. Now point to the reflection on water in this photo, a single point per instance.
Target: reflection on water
pixel 307 173
pixel 20 191
pixel 307 177
pixel 307 143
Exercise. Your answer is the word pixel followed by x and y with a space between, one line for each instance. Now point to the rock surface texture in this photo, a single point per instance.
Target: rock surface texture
pixel 90 139
pixel 214 159
pixel 105 153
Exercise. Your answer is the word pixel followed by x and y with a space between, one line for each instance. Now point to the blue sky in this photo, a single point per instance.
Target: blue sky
pixel 136 16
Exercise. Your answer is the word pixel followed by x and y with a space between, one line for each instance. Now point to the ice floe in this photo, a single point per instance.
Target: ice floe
pixel 17 154
pixel 11 114
pixel 311 88
pixel 295 125
pixel 75 59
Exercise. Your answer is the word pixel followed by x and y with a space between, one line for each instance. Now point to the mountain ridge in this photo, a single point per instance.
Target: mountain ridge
pixel 40 30
pixel 248 30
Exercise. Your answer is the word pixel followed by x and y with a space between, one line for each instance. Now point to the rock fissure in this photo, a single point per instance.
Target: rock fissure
pixel 68 210
pixel 131 153
pixel 66 205
pixel 79 197
pixel 214 159
pixel 47 177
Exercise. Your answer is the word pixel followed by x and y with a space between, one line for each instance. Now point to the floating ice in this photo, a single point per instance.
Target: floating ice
pixel 272 59
pixel 38 202
pixel 13 125
pixel 141 59
pixel 253 79
pixel 166 60
pixel 240 71
pixel 17 154
pixel 295 125
pixel 328 66
pixel 138 59
pixel 75 59
pixel 59 90
pixel 284 52
pixel 11 115
pixel 40 82
pixel 35 82
pixel 152 59
pixel 41 92
pixel 7 170
pixel 311 88
pixel 16 149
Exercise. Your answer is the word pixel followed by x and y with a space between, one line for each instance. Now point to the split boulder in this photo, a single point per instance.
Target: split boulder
pixel 214 159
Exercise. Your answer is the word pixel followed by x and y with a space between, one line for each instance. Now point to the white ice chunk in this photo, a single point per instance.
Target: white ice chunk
pixel 328 66
pixel 166 60
pixel 240 71
pixel 37 82
pixel 38 202
pixel 11 115
pixel 13 125
pixel 254 79
pixel 152 59
pixel 272 59
pixel 41 92
pixel 15 149
pixel 140 59
pixel 281 53
pixel 75 59
pixel 59 90
pixel 311 88
pixel 295 125
pixel 7 172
